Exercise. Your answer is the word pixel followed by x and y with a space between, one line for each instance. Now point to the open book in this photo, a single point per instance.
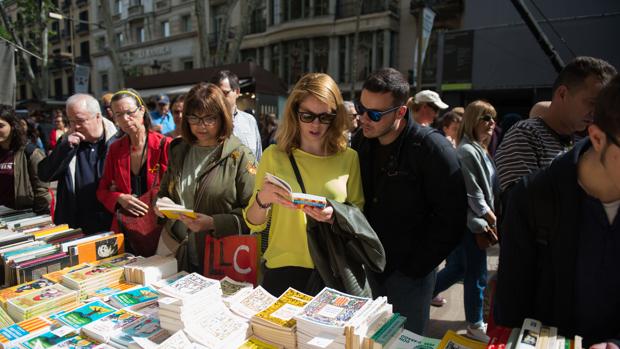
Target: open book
pixel 171 210
pixel 299 199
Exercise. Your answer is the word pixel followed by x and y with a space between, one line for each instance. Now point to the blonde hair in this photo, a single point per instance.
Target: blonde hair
pixel 325 89
pixel 471 117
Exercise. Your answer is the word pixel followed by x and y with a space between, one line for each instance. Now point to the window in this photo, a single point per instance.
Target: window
pixel 188 64
pixel 135 2
pixel 101 43
pixel 120 39
pixel 165 29
pixel 85 51
pixel 343 74
pixel 321 54
pixel 105 84
pixel 58 88
pixel 321 7
pixel 70 84
pixel 186 23
pixel 275 59
pixel 140 34
pixel 118 7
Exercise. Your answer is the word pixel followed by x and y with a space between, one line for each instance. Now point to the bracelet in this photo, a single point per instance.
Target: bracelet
pixel 260 204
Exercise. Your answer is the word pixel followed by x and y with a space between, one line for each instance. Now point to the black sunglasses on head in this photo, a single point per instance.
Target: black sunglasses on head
pixel 374 115
pixel 324 118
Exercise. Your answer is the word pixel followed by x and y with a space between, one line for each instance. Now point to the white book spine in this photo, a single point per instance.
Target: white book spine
pixel 529 335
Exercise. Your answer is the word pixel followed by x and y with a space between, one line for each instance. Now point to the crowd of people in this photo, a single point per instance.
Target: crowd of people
pixel 417 182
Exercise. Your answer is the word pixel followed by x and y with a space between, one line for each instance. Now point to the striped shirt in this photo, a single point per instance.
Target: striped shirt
pixel 528 146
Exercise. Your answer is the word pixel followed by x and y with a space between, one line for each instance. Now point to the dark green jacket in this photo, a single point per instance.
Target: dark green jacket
pixel 30 191
pixel 222 191
pixel 342 252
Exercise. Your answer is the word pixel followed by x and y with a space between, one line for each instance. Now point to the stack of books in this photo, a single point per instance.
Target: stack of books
pixel 277 322
pixel 22 289
pixel 93 278
pixel 249 304
pixel 216 327
pixel 11 336
pixel 151 269
pixel 145 333
pixel 134 297
pixel 231 289
pixel 184 298
pixel 42 302
pixel 108 328
pixel 85 314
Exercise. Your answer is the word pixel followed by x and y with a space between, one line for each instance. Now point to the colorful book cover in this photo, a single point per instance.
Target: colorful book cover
pixel 451 340
pixel 118 260
pixel 46 340
pixel 57 275
pixel 115 321
pixel 99 249
pixel 333 308
pixel 230 287
pixel 285 308
pixel 77 342
pixel 92 272
pixel 189 285
pixel 20 290
pixel 135 296
pixel 145 328
pixel 23 330
pixel 42 266
pixel 112 289
pixel 86 314
pixel 40 297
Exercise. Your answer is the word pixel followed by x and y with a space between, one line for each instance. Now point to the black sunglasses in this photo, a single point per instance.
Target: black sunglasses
pixel 486 118
pixel 374 115
pixel 324 118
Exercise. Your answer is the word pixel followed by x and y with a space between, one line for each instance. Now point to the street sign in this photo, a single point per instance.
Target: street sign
pixel 80 78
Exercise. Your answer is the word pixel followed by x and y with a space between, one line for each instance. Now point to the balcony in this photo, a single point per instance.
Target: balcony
pixel 348 8
pixel 135 10
pixel 162 5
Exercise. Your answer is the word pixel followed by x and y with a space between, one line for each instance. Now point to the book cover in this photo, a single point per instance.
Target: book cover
pixel 451 340
pixel 258 343
pixel 56 276
pixel 42 266
pixel 23 330
pixel 530 332
pixel 40 298
pixel 285 308
pixel 255 301
pixel 190 285
pixel 46 340
pixel 230 287
pixel 148 327
pixel 217 326
pixel 22 289
pixel 118 260
pixel 77 342
pixel 332 308
pixel 98 249
pixel 410 340
pixel 93 272
pixel 103 328
pixel 172 210
pixel 136 296
pixel 109 290
pixel 86 314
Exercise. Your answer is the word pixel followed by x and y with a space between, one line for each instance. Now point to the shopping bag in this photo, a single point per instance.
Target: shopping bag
pixel 235 256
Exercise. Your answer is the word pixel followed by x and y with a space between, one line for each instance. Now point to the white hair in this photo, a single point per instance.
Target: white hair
pixel 84 100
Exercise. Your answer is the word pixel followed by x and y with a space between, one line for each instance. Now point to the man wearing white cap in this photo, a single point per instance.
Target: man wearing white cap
pixel 426 106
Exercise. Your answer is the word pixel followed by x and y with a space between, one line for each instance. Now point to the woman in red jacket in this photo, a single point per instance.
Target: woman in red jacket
pixel 134 164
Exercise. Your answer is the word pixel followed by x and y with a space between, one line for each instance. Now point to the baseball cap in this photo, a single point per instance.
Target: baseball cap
pixel 428 96
pixel 163 99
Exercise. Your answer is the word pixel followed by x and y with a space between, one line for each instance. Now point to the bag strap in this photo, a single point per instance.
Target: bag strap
pixel 297 173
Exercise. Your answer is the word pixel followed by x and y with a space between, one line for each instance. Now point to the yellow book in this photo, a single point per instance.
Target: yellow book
pixel 22 289
pixel 452 340
pixel 56 276
pixel 282 311
pixel 258 343
pixel 49 231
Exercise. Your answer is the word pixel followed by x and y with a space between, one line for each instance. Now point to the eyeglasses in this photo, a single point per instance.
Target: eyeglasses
pixel 75 122
pixel 308 117
pixel 374 115
pixel 612 139
pixel 486 118
pixel 129 113
pixel 207 120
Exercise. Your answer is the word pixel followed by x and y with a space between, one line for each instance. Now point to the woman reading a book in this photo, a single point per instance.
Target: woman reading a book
pixel 133 168
pixel 211 172
pixel 20 187
pixel 311 135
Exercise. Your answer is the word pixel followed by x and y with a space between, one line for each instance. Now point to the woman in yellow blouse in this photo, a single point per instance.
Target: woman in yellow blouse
pixel 313 131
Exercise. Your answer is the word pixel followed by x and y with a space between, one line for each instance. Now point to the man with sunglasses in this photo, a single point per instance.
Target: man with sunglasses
pixel 245 126
pixel 561 238
pixel 77 164
pixel 414 193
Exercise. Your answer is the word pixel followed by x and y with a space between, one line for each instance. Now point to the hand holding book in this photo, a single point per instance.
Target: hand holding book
pixel 289 198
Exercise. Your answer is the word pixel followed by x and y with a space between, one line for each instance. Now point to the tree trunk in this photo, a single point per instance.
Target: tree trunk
pixel 44 81
pixel 113 48
pixel 246 19
pixel 356 46
pixel 25 60
pixel 203 35
pixel 222 42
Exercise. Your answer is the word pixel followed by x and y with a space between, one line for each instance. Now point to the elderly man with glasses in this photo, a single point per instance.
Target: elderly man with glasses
pixel 415 194
pixel 77 164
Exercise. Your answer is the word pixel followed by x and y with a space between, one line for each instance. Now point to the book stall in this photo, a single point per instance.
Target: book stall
pixel 62 289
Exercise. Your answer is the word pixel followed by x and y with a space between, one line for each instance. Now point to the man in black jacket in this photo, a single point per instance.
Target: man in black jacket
pixel 561 238
pixel 77 164
pixel 414 191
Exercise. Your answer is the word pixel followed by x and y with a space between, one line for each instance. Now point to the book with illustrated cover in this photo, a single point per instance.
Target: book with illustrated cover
pixel 82 277
pixel 451 340
pixel 281 313
pixel 78 342
pixel 95 250
pixel 133 297
pixel 40 302
pixel 332 308
pixel 172 210
pixel 56 276
pixel 192 286
pixel 10 336
pixel 247 305
pixel 529 335
pixel 299 199
pixel 217 327
pixel 22 289
pixel 410 340
pixel 119 260
pixel 109 290
pixel 46 340
pixel 231 287
pixel 147 327
pixel 86 314
pixel 103 329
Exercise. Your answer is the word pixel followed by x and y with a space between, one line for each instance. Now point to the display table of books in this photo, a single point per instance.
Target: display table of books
pixel 65 290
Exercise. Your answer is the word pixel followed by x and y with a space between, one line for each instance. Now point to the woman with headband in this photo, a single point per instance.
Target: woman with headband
pixel 134 165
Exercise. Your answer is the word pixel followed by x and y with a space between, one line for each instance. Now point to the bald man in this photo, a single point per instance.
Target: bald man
pixel 540 109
